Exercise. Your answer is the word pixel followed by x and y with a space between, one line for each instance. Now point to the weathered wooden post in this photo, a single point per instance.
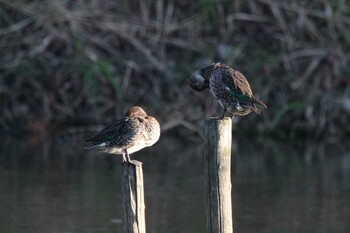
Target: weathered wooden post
pixel 133 198
pixel 218 175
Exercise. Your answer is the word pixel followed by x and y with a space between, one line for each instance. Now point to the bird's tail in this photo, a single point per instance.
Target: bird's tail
pixel 89 146
pixel 93 145
pixel 257 101
pixel 256 110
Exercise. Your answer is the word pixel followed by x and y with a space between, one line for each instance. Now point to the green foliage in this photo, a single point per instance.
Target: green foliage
pixel 104 69
pixel 208 13
pixel 92 83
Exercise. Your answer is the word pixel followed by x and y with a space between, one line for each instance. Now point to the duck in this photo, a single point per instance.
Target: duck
pixel 229 87
pixel 128 135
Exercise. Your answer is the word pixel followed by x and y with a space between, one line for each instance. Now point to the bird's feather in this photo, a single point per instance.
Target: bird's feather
pixel 241 88
pixel 115 132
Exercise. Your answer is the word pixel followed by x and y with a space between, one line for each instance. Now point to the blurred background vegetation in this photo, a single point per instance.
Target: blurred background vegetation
pixel 67 64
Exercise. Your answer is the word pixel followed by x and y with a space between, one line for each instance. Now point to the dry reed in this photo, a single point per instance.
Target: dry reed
pixel 73 63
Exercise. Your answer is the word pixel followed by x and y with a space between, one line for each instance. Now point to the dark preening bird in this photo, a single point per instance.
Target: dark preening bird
pixel 230 88
pixel 128 135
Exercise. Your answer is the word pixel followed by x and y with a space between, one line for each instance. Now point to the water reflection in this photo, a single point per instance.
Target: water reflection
pixel 57 187
pixel 293 189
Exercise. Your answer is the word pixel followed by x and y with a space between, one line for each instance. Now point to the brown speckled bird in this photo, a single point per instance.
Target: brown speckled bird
pixel 230 88
pixel 128 135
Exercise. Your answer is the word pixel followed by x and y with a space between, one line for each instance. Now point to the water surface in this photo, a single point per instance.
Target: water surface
pixel 57 187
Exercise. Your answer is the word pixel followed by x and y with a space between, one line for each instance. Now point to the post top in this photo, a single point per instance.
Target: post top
pixel 135 163
pixel 218 119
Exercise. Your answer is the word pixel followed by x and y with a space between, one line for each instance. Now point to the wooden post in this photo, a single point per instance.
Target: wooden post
pixel 218 175
pixel 133 198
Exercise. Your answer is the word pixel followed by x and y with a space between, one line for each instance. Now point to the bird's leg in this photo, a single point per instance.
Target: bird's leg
pixel 223 114
pixel 124 158
pixel 127 156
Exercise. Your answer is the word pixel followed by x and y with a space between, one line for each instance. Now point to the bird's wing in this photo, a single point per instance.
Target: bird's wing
pixel 240 88
pixel 238 85
pixel 112 132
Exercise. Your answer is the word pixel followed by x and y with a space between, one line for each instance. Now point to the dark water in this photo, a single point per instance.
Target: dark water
pixel 58 187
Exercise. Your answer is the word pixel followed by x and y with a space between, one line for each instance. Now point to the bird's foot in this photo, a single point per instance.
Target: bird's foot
pixel 128 161
pixel 135 162
pixel 124 159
